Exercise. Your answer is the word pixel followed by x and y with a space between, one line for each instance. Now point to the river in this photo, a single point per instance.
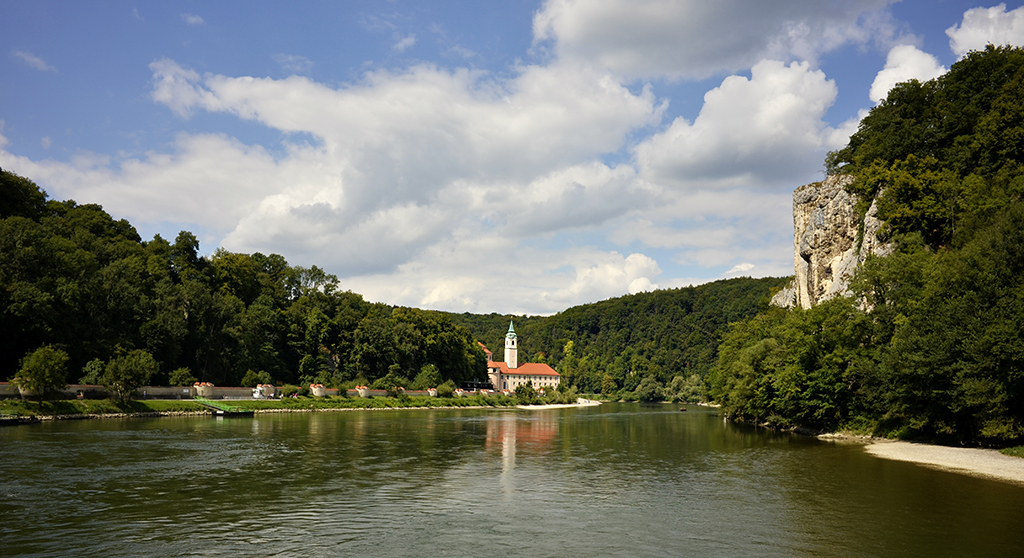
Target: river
pixel 615 480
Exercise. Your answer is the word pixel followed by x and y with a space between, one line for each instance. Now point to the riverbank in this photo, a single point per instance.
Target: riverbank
pixel 578 403
pixel 107 409
pixel 987 463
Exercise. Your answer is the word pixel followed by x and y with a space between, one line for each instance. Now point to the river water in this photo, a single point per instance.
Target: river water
pixel 615 480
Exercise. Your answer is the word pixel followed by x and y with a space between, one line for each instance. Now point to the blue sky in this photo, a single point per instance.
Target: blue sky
pixel 467 156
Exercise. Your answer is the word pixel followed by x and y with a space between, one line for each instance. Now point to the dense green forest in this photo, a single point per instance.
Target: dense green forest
pixel 612 346
pixel 931 344
pixel 74 279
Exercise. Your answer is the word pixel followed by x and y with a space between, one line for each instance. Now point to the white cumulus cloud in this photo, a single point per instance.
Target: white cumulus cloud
pixel 904 62
pixel 605 275
pixel 697 38
pixel 404 163
pixel 981 26
pixel 750 132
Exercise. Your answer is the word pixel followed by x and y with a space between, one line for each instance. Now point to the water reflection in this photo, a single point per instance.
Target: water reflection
pixel 509 431
pixel 617 480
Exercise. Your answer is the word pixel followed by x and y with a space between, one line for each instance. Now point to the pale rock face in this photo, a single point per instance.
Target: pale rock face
pixel 825 248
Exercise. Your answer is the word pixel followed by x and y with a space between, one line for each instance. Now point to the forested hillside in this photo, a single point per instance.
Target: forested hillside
pixel 613 345
pixel 73 277
pixel 932 343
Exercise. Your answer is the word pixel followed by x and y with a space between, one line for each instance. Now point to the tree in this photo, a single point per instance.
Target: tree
pixel 252 378
pixel 525 394
pixel 20 196
pixel 394 378
pixel 689 389
pixel 181 377
pixel 608 386
pixel 446 389
pixel 43 370
pixel 93 371
pixel 649 390
pixel 428 377
pixel 127 373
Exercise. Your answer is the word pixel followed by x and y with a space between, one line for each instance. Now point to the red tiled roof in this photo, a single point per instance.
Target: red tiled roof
pixel 527 369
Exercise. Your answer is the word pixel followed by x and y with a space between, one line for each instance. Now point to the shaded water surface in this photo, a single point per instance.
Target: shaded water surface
pixel 616 480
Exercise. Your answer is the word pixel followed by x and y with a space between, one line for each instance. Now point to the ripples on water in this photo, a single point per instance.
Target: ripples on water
pixel 619 480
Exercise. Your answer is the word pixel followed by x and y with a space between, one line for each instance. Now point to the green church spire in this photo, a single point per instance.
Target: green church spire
pixel 511 331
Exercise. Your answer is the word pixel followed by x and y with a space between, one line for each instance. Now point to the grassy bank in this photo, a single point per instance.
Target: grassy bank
pixel 400 402
pixel 94 407
pixel 1013 452
pixel 108 406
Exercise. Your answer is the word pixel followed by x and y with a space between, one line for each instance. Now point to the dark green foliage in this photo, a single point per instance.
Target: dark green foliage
pixel 793 367
pixel 72 275
pixel 253 378
pixel 391 380
pixel 969 118
pixel 43 370
pixel 429 377
pixel 446 389
pixel 182 377
pixel 93 371
pixel 932 343
pixel 689 389
pixel 128 372
pixel 525 394
pixel 649 390
pixel 20 197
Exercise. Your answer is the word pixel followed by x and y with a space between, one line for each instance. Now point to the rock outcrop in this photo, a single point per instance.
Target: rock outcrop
pixel 826 252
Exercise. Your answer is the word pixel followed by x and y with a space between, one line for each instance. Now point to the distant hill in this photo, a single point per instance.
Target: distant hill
pixel 661 334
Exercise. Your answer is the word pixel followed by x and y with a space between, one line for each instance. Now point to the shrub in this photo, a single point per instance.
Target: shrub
pixel 43 370
pixel 649 390
pixel 253 379
pixel 287 390
pixel 428 377
pixel 689 389
pixel 446 389
pixel 392 379
pixel 525 394
pixel 126 373
pixel 93 371
pixel 181 377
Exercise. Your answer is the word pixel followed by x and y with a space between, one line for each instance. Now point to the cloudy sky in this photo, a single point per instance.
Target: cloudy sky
pixel 518 156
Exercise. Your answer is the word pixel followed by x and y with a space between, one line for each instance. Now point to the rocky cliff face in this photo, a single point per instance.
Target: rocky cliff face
pixel 825 247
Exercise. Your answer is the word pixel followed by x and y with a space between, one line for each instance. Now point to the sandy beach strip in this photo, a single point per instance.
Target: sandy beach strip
pixel 986 463
pixel 583 403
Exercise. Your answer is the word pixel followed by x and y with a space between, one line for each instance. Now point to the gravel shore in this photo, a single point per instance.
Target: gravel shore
pixel 977 462
pixel 585 403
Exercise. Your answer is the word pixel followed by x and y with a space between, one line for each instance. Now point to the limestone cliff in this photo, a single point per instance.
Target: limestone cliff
pixel 825 250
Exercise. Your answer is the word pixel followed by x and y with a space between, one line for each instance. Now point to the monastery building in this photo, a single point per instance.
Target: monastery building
pixel 510 374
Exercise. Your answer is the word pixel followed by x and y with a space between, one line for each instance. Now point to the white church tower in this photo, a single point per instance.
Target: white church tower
pixel 511 352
